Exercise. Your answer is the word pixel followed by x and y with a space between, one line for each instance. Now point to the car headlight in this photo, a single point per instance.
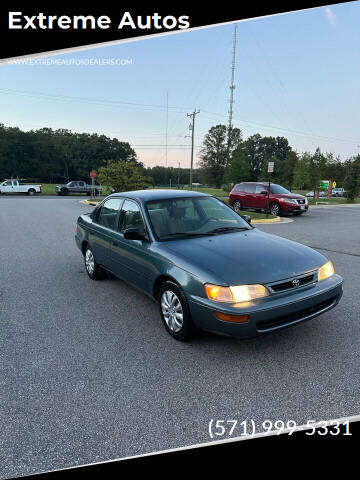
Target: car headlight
pixel 326 271
pixel 287 200
pixel 238 293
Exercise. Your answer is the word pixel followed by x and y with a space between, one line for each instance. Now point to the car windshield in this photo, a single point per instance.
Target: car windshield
pixel 194 216
pixel 278 189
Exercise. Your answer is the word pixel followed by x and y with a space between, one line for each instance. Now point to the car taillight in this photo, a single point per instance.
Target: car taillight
pixel 40 187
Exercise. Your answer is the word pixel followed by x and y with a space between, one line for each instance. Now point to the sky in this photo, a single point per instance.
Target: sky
pixel 297 75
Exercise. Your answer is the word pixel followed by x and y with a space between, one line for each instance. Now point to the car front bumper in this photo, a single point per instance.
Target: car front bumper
pixel 294 207
pixel 271 313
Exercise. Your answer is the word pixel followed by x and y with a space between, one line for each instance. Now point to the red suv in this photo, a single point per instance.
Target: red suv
pixel 254 195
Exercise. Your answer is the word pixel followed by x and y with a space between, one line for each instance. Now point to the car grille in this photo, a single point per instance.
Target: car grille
pixel 293 283
pixel 301 202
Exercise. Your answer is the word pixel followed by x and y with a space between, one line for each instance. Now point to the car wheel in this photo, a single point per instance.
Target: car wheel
pixel 175 312
pixel 93 269
pixel 237 205
pixel 31 192
pixel 275 209
pixel 64 192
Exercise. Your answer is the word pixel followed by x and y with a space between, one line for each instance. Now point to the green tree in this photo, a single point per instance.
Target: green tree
pixel 216 151
pixel 301 178
pixel 317 168
pixel 238 169
pixel 352 179
pixel 123 176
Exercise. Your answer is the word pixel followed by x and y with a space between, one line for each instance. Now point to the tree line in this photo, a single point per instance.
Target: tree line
pixel 51 156
pixel 226 158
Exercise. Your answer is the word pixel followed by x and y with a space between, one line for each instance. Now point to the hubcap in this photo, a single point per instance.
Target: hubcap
pixel 172 310
pixel 274 209
pixel 89 261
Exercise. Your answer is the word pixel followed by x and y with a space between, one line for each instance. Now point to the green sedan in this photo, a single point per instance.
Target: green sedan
pixel 205 265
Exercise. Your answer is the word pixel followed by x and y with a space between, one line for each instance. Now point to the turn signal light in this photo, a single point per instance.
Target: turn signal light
pixel 231 318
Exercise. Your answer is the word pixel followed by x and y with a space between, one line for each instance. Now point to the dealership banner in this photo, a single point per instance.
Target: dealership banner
pixel 30 30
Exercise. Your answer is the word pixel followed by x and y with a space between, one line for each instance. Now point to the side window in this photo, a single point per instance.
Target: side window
pixel 108 213
pixel 250 188
pixel 7 184
pixel 260 188
pixel 130 217
pixel 72 184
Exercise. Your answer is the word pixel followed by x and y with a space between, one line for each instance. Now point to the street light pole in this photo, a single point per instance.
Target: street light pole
pixel 192 116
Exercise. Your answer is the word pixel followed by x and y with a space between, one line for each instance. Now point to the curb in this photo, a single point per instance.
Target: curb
pixel 89 202
pixel 266 220
pixel 329 204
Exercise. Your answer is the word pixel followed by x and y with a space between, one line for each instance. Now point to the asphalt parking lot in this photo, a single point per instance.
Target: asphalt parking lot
pixel 88 373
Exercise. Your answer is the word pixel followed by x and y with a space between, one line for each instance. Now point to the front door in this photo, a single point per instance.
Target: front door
pixel 260 199
pixel 132 259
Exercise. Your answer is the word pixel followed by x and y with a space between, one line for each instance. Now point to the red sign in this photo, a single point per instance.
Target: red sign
pixel 93 173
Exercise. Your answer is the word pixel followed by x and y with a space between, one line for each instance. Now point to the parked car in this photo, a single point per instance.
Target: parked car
pixel 77 187
pixel 13 186
pixel 204 264
pixel 312 194
pixel 256 196
pixel 338 192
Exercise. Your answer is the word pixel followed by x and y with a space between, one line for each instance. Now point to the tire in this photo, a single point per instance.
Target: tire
pixel 64 192
pixel 92 268
pixel 237 205
pixel 275 209
pixel 175 312
pixel 31 192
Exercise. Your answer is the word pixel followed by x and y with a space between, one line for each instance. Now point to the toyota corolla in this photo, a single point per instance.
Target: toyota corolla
pixel 205 265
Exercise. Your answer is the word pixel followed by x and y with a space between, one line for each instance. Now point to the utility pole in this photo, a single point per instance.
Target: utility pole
pixel 192 126
pixel 166 135
pixel 232 88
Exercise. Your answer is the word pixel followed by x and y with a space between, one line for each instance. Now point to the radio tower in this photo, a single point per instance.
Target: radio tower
pixel 232 88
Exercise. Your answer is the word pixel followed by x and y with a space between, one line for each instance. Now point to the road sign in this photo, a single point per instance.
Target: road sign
pixel 270 167
pixel 93 173
pixel 334 184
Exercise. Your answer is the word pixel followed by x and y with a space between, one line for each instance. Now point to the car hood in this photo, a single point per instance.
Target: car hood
pixel 291 195
pixel 244 257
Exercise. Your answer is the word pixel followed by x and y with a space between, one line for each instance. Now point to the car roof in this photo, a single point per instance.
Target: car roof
pixel 257 183
pixel 160 194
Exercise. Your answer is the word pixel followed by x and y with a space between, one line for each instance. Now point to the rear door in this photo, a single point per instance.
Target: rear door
pixel 102 229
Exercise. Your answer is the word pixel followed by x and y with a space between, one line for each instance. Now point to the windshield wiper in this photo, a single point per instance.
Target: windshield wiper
pixel 188 234
pixel 228 229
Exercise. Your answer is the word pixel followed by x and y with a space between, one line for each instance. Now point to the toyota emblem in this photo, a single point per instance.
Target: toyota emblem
pixel 296 282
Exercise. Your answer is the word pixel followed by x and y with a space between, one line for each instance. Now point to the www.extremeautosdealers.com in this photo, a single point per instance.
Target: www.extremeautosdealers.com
pixel 77 62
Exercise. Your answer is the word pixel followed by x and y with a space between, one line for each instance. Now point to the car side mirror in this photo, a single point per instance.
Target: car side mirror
pixel 264 192
pixel 133 234
pixel 247 218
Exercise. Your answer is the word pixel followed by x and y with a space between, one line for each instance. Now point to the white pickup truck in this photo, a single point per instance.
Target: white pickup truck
pixel 13 186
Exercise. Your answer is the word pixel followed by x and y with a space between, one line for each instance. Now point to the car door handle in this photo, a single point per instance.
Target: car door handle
pixel 115 243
